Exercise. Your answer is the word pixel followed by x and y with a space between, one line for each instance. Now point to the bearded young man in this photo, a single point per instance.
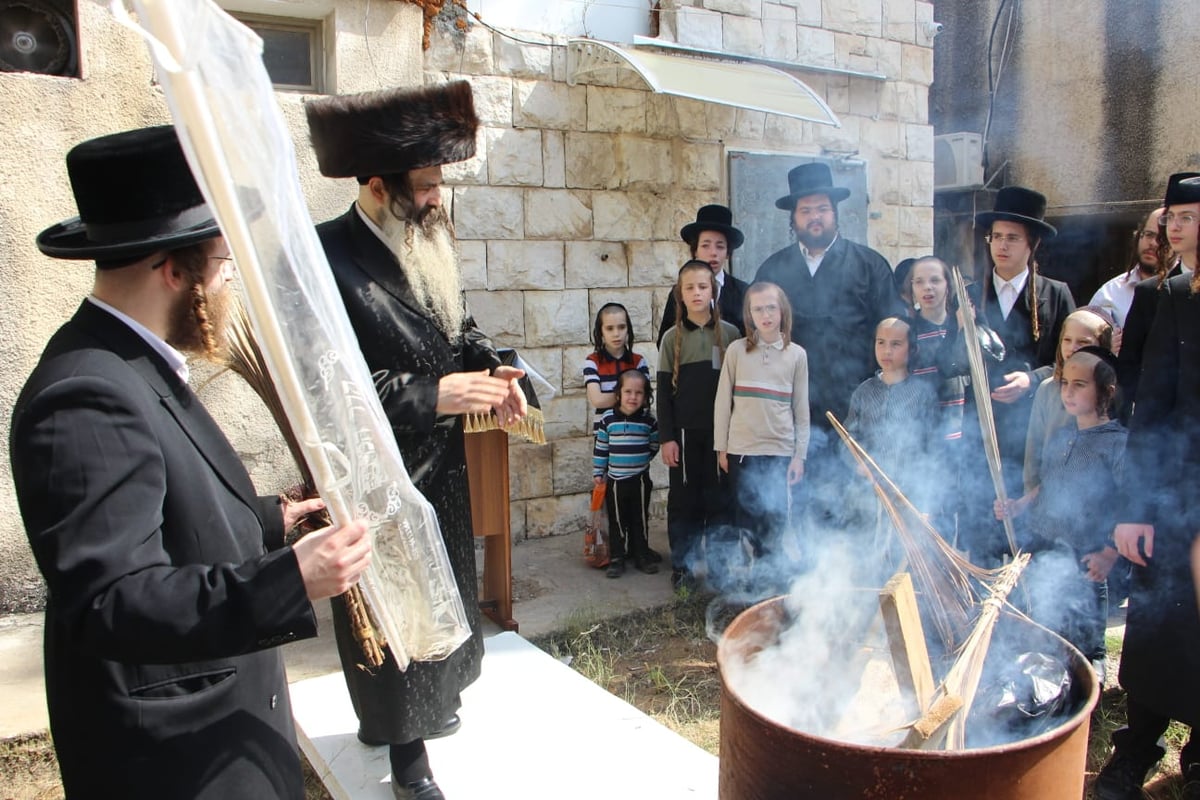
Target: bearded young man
pixel 839 290
pixel 169 583
pixel 1116 295
pixel 394 260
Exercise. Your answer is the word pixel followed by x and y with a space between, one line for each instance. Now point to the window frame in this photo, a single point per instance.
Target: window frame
pixel 315 28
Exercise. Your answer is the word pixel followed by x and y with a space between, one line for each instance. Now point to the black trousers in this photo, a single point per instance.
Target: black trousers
pixel 759 487
pixel 697 499
pixel 628 505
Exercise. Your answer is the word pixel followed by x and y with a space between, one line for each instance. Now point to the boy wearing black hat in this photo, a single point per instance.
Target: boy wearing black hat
pixel 393 257
pixel 169 583
pixel 839 291
pixel 712 239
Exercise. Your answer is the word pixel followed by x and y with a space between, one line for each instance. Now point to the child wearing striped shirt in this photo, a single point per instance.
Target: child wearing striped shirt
pixel 612 337
pixel 626 441
pixel 760 416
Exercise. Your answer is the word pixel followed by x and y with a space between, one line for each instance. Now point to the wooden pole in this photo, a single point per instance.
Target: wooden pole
pixel 906 640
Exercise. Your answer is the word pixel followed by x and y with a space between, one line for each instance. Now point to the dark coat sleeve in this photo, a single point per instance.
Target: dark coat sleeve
pixel 1134 336
pixel 668 320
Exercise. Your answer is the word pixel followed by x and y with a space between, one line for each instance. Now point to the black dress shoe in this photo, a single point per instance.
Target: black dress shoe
pixel 424 789
pixel 452 725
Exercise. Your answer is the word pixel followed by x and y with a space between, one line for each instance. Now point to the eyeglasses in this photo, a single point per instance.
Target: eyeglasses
pixel 1003 238
pixel 1146 235
pixel 1186 219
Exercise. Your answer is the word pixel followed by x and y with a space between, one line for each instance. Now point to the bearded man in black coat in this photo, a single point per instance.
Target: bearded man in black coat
pixel 839 291
pixel 169 584
pixel 394 260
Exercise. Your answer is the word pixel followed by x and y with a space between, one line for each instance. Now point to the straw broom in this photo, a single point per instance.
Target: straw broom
pixel 983 401
pixel 246 359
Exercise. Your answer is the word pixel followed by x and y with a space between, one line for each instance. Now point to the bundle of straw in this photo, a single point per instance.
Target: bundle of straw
pixel 246 359
pixel 983 401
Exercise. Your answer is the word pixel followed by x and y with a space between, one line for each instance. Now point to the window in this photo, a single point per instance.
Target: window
pixel 293 50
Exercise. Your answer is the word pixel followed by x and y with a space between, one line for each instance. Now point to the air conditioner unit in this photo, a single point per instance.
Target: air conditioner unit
pixel 958 161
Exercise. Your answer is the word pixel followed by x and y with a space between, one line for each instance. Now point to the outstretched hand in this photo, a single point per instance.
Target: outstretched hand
pixel 332 559
pixel 470 392
pixel 515 405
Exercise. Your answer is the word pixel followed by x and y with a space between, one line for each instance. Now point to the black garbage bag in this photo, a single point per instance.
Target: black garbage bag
pixel 1021 698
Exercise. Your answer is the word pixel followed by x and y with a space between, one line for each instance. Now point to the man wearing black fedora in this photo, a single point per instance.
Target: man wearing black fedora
pixel 712 239
pixel 394 259
pixel 169 585
pixel 1177 241
pixel 1026 312
pixel 839 290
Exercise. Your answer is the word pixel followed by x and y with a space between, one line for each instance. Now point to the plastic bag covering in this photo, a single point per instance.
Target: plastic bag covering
pixel 239 148
pixel 1026 697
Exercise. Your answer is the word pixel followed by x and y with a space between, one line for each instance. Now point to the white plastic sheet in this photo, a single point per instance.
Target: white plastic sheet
pixel 238 146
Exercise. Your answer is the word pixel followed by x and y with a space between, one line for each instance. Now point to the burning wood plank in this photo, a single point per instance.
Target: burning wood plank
pixel 906 638
pixel 929 731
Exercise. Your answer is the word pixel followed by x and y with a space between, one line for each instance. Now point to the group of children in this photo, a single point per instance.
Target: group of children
pixel 732 424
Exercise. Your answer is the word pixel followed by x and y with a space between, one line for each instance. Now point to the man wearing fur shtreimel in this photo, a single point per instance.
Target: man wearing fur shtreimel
pixel 394 258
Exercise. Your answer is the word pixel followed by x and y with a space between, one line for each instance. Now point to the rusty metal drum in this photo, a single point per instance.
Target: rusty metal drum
pixel 764 760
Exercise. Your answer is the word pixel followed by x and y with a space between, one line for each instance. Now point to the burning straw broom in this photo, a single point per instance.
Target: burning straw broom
pixel 246 359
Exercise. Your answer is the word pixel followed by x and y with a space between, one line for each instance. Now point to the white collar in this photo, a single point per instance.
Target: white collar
pixel 175 359
pixel 775 345
pixel 1017 282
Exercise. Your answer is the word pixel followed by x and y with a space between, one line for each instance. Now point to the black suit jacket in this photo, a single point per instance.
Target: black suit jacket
pixel 1133 338
pixel 164 603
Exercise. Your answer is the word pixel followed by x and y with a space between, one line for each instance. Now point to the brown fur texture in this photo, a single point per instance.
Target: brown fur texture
pixel 392 131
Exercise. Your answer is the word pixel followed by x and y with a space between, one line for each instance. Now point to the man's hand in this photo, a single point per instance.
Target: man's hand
pixel 670 453
pixel 1118 336
pixel 471 392
pixel 1100 563
pixel 1131 534
pixel 294 511
pixel 515 406
pixel 795 470
pixel 723 461
pixel 332 559
pixel 1016 386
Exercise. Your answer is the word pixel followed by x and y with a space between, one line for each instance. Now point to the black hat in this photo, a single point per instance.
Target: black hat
pixel 1018 204
pixel 393 131
pixel 806 179
pixel 1181 188
pixel 713 218
pixel 136 195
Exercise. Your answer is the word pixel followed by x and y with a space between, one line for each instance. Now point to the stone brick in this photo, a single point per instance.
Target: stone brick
pixel 556 317
pixel 744 8
pixel 922 17
pixel 655 263
pixel 616 110
pixel 621 216
pixel 865 95
pixel 648 349
pixel 591 161
pixel 554 161
pixel 916 226
pixel 501 315
pixel 853 16
pixel 470 53
pixel 816 46
pixel 473 171
pixel 556 516
pixel 922 181
pixel 520 60
pixel 637 301
pixel 742 35
pixel 557 214
pixel 695 27
pixel 592 264
pixel 542 104
pixel 572 464
pixel 921 104
pixel 883 230
pixel 899 18
pixel 779 32
pixel 837 93
pixel 700 166
pixel 547 363
pixel 572 365
pixel 525 265
pixel 720 121
pixel 558 63
pixel 645 164
pixel 883 138
pixel 529 470
pixel 660 300
pixel 514 157
pixel 568 416
pixel 918 64
pixel 493 100
pixel 516 521
pixel 472 261
pixel 750 124
pixel 808 12
pixel 920 142
pixel 845 139
pixel 488 212
pixel 888 57
pixel 786 132
pixel 679 116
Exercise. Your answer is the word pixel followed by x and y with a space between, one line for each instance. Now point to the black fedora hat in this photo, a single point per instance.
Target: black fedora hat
pixel 713 218
pixel 1018 204
pixel 806 179
pixel 136 195
pixel 1181 188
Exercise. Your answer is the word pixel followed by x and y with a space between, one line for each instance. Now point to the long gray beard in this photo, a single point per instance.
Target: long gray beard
pixel 427 254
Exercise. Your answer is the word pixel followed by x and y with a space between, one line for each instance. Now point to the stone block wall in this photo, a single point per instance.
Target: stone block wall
pixel 577 192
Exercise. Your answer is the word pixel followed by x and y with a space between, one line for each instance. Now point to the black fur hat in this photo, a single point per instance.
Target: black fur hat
pixel 392 131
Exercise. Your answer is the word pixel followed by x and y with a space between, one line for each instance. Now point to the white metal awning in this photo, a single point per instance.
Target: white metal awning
pixel 742 85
